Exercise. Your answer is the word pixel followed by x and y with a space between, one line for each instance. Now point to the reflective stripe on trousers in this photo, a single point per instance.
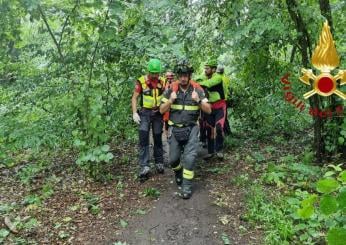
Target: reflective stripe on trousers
pixel 184 154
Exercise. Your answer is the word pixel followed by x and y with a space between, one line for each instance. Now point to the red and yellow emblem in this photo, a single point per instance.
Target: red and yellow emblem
pixel 325 58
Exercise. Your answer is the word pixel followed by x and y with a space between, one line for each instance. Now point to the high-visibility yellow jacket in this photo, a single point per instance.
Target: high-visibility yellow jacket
pixel 151 97
pixel 214 87
pixel 226 83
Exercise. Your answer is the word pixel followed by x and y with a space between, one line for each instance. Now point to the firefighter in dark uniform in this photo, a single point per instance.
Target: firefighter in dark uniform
pixel 184 100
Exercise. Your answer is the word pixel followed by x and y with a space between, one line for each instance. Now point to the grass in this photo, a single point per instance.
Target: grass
pixel 151 192
pixel 272 201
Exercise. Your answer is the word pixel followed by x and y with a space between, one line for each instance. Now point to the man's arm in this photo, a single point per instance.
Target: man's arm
pixel 215 80
pixel 164 107
pixel 167 100
pixel 199 96
pixel 205 106
pixel 134 101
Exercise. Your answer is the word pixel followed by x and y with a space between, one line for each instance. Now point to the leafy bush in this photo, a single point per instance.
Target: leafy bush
pixel 276 210
pixel 329 205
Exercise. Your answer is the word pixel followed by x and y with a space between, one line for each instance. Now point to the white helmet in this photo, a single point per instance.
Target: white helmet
pixel 220 69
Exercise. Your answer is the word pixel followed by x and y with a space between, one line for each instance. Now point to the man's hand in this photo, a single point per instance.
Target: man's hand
pixel 136 118
pixel 173 97
pixel 195 96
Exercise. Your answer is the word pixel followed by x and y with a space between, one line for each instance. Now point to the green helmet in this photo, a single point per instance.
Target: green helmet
pixel 183 67
pixel 154 66
pixel 211 63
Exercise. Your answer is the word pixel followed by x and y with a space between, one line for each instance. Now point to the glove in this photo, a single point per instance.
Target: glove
pixel 136 118
pixel 173 97
pixel 195 96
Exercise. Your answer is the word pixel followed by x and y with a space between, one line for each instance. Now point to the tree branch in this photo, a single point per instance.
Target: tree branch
pixel 51 33
pixel 303 35
pixel 97 44
pixel 65 22
pixel 327 13
pixel 293 53
pixel 93 62
pixel 305 49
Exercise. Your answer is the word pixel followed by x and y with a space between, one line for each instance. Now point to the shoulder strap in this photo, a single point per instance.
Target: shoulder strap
pixel 142 80
pixel 163 82
pixel 195 84
pixel 175 86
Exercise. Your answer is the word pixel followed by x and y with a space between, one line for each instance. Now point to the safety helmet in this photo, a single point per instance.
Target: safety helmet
pixel 212 63
pixel 220 69
pixel 169 74
pixel 154 66
pixel 184 67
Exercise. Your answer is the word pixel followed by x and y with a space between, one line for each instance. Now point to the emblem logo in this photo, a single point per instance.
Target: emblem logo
pixel 325 58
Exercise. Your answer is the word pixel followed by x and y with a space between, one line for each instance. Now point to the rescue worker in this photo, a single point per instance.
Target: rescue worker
pixel 202 120
pixel 184 100
pixel 149 88
pixel 226 82
pixel 216 120
pixel 169 80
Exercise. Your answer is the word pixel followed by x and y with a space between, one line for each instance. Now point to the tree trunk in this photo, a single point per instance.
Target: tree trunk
pixel 327 13
pixel 305 50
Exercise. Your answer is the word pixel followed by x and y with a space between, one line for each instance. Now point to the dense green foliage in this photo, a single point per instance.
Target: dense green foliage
pixel 287 214
pixel 68 67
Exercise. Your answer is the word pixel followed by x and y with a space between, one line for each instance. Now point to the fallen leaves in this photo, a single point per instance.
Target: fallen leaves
pixel 11 226
pixel 67 219
pixel 123 223
pixel 225 219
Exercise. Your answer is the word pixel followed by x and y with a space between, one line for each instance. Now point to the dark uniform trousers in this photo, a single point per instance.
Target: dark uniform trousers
pixel 215 129
pixel 154 119
pixel 183 154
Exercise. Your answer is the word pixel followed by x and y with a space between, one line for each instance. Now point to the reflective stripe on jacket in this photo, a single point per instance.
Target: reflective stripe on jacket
pixel 151 97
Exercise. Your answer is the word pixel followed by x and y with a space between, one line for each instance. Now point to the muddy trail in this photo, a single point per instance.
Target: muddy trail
pixel 199 220
pixel 123 214
pixel 176 221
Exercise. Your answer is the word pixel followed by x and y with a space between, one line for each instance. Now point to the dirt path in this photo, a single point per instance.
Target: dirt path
pixel 214 214
pixel 173 220
pixel 176 221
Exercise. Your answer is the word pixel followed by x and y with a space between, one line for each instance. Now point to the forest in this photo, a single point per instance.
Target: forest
pixel 69 146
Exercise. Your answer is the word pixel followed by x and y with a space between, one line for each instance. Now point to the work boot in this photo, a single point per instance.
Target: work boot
pixel 160 168
pixel 203 145
pixel 179 177
pixel 220 155
pixel 209 156
pixel 186 192
pixel 144 174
